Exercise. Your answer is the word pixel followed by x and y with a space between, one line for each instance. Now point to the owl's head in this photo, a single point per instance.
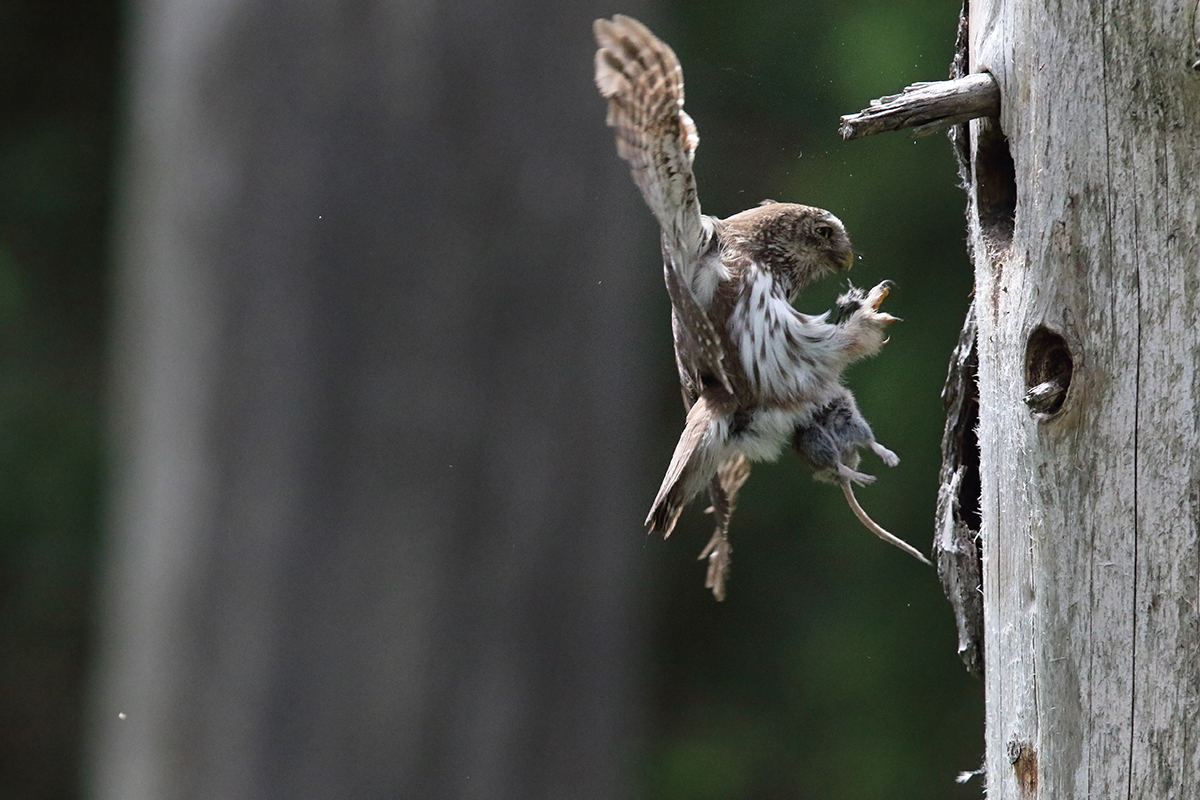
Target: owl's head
pixel 798 244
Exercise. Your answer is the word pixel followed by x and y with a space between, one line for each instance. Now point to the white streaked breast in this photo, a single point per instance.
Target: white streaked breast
pixel 786 355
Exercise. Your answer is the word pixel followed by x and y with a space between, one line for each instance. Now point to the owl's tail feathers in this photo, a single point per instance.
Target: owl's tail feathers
pixel 875 528
pixel 665 513
pixel 690 468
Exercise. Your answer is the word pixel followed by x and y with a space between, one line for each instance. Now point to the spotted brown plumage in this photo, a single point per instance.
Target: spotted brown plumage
pixel 753 369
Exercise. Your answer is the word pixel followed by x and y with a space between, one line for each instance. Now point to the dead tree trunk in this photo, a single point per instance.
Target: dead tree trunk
pixel 1085 205
pixel 379 396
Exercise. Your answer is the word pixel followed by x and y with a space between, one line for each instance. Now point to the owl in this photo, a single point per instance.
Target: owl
pixel 755 373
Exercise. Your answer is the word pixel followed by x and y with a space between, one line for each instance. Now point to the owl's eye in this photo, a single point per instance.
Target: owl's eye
pixel 825 232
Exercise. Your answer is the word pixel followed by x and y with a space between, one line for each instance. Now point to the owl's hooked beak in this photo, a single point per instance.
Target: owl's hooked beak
pixel 848 260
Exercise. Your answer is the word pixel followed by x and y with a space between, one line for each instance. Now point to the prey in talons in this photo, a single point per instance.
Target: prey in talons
pixel 755 372
pixel 829 447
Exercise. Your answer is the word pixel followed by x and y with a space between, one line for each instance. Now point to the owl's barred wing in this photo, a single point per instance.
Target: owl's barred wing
pixel 641 78
pixel 706 358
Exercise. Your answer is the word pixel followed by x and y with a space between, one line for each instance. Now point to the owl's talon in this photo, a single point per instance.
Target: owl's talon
pixel 879 294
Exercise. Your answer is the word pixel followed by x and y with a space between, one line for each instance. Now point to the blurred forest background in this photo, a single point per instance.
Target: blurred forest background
pixel 829 672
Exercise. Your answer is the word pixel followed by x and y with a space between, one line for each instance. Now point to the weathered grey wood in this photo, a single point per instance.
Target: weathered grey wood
pixel 956 526
pixel 379 390
pixel 927 107
pixel 1089 514
pixel 956 546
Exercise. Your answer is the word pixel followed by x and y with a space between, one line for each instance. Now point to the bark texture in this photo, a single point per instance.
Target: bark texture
pixel 956 530
pixel 1085 205
pixel 926 107
pixel 378 382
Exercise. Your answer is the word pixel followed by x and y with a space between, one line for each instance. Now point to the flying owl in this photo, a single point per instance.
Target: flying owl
pixel 755 373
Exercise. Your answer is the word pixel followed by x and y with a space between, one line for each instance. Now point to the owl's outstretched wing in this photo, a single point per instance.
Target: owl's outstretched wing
pixel 641 78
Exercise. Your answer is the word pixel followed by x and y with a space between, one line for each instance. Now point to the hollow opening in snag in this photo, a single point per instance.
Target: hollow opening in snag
pixel 1048 370
pixel 969 491
pixel 995 184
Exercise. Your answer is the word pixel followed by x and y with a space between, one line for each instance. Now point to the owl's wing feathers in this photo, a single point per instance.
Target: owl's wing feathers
pixel 641 78
pixel 706 357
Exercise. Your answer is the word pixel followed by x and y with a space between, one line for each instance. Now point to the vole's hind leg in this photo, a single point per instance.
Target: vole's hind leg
pixel 847 474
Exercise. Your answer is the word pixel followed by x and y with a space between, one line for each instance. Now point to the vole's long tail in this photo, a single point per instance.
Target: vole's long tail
pixel 875 528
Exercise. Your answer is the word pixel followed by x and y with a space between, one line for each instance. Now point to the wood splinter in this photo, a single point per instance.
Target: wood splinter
pixel 927 107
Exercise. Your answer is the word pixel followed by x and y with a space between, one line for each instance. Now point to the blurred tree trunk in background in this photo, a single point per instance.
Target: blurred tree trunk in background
pixel 1087 261
pixel 379 390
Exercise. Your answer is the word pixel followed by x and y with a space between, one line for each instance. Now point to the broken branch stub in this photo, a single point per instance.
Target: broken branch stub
pixel 927 107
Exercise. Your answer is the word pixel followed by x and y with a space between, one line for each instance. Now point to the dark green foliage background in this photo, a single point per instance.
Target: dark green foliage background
pixel 830 670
